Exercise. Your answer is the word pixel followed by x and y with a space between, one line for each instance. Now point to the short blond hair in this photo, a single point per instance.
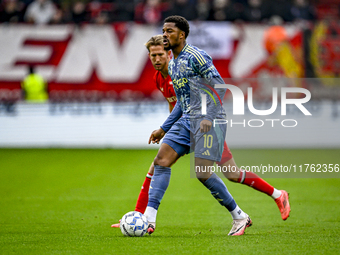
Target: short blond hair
pixel 154 41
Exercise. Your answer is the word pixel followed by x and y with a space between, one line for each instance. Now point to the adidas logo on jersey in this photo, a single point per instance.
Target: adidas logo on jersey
pixel 206 153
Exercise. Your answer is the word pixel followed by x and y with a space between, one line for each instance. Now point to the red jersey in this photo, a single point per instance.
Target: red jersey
pixel 165 86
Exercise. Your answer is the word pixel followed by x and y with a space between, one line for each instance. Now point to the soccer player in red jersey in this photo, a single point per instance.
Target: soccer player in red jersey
pixel 160 58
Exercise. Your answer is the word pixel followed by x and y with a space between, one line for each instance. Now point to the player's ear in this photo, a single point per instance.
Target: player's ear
pixel 182 35
pixel 169 54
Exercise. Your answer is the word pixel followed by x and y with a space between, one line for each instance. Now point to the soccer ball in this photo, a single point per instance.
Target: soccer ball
pixel 134 224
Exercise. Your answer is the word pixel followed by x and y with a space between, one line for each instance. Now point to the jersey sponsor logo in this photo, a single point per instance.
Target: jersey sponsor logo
pixel 180 82
pixel 172 99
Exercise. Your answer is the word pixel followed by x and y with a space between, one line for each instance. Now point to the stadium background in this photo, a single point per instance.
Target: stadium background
pixel 62 201
pixel 100 78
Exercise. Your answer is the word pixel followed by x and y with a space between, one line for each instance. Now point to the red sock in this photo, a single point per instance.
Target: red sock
pixel 254 181
pixel 143 197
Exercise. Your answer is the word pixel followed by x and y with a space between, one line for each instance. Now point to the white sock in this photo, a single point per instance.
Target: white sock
pixel 238 214
pixel 151 214
pixel 276 194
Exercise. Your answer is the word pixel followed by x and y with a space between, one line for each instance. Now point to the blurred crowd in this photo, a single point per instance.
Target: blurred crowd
pixel 152 11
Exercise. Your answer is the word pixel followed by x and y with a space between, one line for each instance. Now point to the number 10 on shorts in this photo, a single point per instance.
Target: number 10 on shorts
pixel 208 141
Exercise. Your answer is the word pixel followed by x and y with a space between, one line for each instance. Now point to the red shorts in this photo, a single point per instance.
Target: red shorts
pixel 226 155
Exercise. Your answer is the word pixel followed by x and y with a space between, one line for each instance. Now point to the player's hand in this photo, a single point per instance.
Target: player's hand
pixel 205 126
pixel 156 136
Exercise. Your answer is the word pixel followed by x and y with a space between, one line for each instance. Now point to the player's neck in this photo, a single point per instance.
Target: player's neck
pixel 165 72
pixel 176 51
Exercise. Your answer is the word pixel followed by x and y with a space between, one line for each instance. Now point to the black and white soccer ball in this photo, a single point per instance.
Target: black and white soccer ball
pixel 134 224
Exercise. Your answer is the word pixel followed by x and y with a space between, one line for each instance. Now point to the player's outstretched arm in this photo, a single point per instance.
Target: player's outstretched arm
pixel 170 107
pixel 175 114
pixel 156 136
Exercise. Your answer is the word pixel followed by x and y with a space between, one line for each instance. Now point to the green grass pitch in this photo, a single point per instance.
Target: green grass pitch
pixel 60 201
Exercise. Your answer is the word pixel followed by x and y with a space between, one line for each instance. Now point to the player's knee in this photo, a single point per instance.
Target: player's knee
pixel 162 161
pixel 232 176
pixel 151 169
pixel 202 177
